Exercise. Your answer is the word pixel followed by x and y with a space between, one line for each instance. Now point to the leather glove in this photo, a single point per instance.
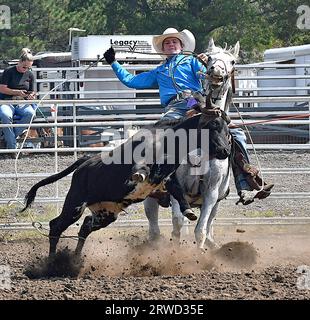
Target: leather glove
pixel 109 55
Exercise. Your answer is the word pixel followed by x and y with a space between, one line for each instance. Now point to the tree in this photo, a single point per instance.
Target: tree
pixel 258 24
pixel 43 25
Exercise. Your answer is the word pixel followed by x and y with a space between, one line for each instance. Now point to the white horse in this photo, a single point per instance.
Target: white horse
pixel 208 182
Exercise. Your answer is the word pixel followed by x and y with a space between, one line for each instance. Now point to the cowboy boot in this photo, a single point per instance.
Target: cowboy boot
pixel 264 189
pixel 259 190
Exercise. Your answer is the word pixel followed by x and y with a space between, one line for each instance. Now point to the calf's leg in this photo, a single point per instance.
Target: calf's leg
pixel 92 223
pixel 71 212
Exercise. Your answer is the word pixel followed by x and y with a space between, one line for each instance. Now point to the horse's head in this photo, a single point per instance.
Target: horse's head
pixel 221 63
pixel 216 121
pixel 220 66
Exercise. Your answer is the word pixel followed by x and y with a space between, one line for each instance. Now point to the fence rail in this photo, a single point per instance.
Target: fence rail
pixel 24 226
pixel 275 195
pixel 248 93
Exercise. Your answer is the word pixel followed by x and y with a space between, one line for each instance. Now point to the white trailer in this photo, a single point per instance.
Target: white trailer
pixel 130 49
pixel 289 75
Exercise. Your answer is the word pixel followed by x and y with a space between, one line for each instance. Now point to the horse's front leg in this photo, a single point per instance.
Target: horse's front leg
pixel 203 229
pixel 177 221
pixel 151 208
pixel 209 242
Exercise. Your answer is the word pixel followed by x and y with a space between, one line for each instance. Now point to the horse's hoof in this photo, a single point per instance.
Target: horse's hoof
pixel 202 250
pixel 190 215
pixel 175 238
pixel 211 245
pixel 154 239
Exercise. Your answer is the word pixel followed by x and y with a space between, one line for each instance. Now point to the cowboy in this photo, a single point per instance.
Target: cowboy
pixel 178 78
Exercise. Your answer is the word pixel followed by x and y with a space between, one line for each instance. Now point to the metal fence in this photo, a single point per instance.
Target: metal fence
pixel 106 119
pixel 122 114
pixel 127 121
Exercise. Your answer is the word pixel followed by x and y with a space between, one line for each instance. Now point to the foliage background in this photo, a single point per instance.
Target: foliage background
pixel 42 25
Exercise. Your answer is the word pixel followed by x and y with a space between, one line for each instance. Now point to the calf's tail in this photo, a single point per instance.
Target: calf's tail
pixel 29 198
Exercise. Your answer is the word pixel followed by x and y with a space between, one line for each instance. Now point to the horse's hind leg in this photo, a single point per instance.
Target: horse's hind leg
pixel 209 242
pixel 71 212
pixel 92 223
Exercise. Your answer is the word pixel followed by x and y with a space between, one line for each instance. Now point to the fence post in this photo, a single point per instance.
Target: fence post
pixel 74 131
pixel 309 121
pixel 56 154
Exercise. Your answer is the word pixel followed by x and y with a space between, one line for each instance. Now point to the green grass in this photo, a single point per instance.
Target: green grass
pixel 19 235
pixel 12 214
pixel 266 214
pixel 7 212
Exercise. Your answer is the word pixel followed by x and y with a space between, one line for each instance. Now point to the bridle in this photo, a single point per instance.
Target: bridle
pixel 217 82
pixel 216 86
pixel 210 66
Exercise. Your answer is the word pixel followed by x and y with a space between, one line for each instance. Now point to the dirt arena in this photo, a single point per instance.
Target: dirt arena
pixel 253 262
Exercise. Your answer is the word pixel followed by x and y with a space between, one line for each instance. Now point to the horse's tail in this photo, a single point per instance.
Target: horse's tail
pixel 29 198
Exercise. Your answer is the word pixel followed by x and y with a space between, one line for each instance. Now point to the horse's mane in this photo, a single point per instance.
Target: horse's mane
pixel 220 50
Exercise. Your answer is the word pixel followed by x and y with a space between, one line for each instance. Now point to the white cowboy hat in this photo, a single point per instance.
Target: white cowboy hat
pixel 185 36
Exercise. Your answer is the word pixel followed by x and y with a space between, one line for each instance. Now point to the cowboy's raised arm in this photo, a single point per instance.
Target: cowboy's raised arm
pixel 143 80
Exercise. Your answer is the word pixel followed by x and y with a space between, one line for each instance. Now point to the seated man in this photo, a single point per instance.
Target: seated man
pixel 17 84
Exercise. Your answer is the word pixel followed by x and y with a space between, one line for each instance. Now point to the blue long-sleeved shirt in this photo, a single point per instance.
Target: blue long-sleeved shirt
pixel 183 70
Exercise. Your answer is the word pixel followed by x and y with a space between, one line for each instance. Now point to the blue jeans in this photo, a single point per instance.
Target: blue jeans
pixel 175 110
pixel 239 135
pixel 8 113
pixel 240 179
